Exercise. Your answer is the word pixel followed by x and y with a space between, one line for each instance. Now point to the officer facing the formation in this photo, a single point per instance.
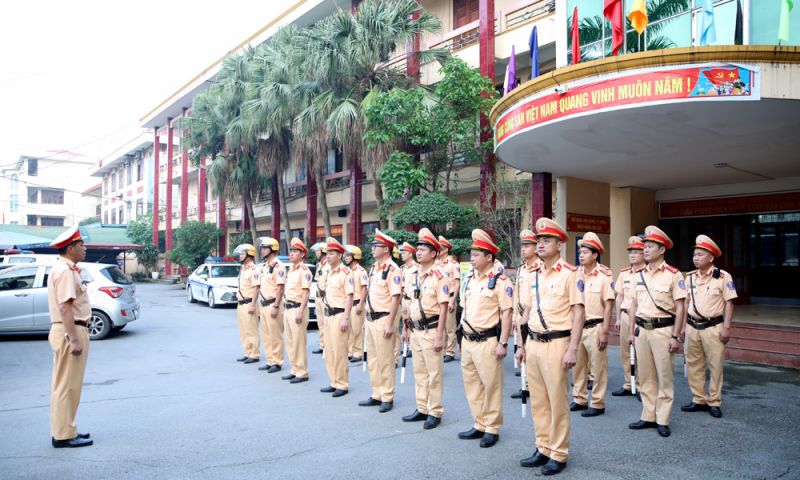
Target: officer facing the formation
pixel 273 278
pixel 320 276
pixel 383 304
pixel 453 270
pixel 709 307
pixel 598 300
pixel 554 322
pixel 522 299
pixel 70 313
pixel 429 290
pixel 485 327
pixel 338 302
pixel 658 308
pixel 295 312
pixel 352 259
pixel 624 287
pixel 246 296
pixel 409 268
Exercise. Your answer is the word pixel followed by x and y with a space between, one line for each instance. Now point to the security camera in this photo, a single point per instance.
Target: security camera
pixel 561 89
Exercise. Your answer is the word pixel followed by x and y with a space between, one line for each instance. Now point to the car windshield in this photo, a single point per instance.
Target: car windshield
pixel 114 274
pixel 224 271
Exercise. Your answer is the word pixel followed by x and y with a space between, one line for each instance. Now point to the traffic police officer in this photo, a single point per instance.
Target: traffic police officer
pixel 658 308
pixel 338 302
pixel 273 279
pixel 453 270
pixel 709 307
pixel 295 312
pixel 352 259
pixel 626 280
pixel 320 276
pixel 409 268
pixel 486 326
pixel 70 313
pixel 246 296
pixel 554 323
pixel 522 299
pixel 383 305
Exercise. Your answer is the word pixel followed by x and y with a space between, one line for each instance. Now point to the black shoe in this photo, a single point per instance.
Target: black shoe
pixel 517 373
pixel 242 359
pixel 274 368
pixel 715 412
pixel 299 380
pixel 576 407
pixel 327 390
pixel 621 393
pixel 71 443
pixel 590 384
pixel 349 358
pixel 250 360
pixel 641 425
pixel 517 395
pixel 639 397
pixel 385 407
pixel 414 417
pixel 84 435
pixel 553 467
pixel 538 459
pixel 370 402
pixel 489 439
pixel 355 359
pixel 339 393
pixel 448 358
pixel 593 412
pixel 471 434
pixel 431 422
pixel 266 366
pixel 664 430
pixel 288 377
pixel 694 407
pixel 408 354
pixel 317 351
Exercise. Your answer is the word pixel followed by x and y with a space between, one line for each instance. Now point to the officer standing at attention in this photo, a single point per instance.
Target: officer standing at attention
pixel 320 276
pixel 658 307
pixel 554 324
pixel 409 268
pixel 453 270
pixel 709 307
pixel 383 305
pixel 273 279
pixel 429 290
pixel 295 312
pixel 522 299
pixel 246 296
pixel 486 326
pixel 338 301
pixel 626 280
pixel 352 259
pixel 598 301
pixel 70 313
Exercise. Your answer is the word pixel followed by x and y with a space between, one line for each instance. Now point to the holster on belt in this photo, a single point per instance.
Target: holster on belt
pixel 266 303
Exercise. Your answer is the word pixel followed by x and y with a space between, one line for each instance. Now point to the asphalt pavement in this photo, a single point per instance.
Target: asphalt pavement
pixel 165 398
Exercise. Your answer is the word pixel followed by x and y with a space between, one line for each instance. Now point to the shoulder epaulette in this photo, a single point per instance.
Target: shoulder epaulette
pixel 303 266
pixel 437 272
pixel 626 269
pixel 502 277
pixel 672 269
pixel 570 266
pixel 693 272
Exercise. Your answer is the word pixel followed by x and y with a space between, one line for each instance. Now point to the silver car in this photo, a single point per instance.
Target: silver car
pixel 24 307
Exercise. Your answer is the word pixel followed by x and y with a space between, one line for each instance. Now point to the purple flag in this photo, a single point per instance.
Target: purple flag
pixel 511 71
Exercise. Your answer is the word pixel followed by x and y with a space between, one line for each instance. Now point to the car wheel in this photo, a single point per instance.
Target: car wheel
pixel 189 295
pixel 99 325
pixel 211 302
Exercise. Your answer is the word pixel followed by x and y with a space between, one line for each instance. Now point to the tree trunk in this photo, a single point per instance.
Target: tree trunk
pixel 322 198
pixel 284 209
pixel 384 222
pixel 251 215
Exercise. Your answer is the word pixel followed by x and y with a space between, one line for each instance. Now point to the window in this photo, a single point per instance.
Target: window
pixel 129 171
pixel 335 162
pixel 18 279
pixel 32 219
pixel 128 210
pixel 113 181
pixel 121 217
pixel 52 221
pixel 33 195
pixel 115 275
pixel 33 167
pixel 114 217
pixel 368 228
pixel 14 202
pixel 139 208
pixel 14 181
pixel 139 170
pixel 105 185
pixel 120 179
pixel 464 12
pixel 105 217
pixel 53 197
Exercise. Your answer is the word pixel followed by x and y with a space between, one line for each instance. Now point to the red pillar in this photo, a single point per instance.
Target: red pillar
pixel 541 196
pixel 311 208
pixel 355 201
pixel 222 224
pixel 156 188
pixel 184 172
pixel 168 214
pixel 276 211
pixel 486 53
pixel 412 60
pixel 201 190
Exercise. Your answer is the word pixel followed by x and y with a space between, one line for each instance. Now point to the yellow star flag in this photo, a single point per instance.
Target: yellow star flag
pixel 638 16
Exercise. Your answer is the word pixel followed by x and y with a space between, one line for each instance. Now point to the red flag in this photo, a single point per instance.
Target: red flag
pixel 612 10
pixel 576 39
pixel 718 76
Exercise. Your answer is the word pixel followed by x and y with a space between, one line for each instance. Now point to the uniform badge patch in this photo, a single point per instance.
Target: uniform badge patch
pixel 281 273
pixel 580 285
pixel 509 292
pixel 397 280
pixel 682 285
pixel 730 285
pixel 445 289
pixel 308 277
pixel 350 280
pixel 612 285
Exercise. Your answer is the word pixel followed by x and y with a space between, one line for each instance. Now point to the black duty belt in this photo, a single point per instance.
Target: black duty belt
pixel 592 322
pixel 653 323
pixel 330 311
pixel 545 337
pixel 521 310
pixel 245 301
pixel 288 304
pixel 703 324
pixel 267 303
pixel 482 336
pixel 432 322
pixel 80 323
pixel 406 297
pixel 356 302
pixel 376 316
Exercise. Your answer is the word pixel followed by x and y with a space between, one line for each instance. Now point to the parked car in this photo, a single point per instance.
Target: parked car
pixel 24 307
pixel 23 258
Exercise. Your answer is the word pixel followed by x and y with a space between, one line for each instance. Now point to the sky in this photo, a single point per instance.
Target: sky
pixel 78 75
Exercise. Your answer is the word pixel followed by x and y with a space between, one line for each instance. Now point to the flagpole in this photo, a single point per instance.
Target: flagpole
pixel 624 31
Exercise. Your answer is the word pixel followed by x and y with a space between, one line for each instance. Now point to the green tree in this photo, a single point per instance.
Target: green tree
pixel 147 256
pixel 435 211
pixel 140 230
pixel 195 241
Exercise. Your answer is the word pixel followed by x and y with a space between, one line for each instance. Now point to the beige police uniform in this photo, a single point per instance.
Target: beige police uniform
pixel 338 285
pixel 356 338
pixel 321 277
pixel 297 280
pixel 481 370
pixel 248 322
pixel 272 275
pixel 598 290
pixel 624 287
pixel 64 284
pixel 409 274
pixel 384 283
pixel 706 302
pixel 453 271
pixel 548 381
